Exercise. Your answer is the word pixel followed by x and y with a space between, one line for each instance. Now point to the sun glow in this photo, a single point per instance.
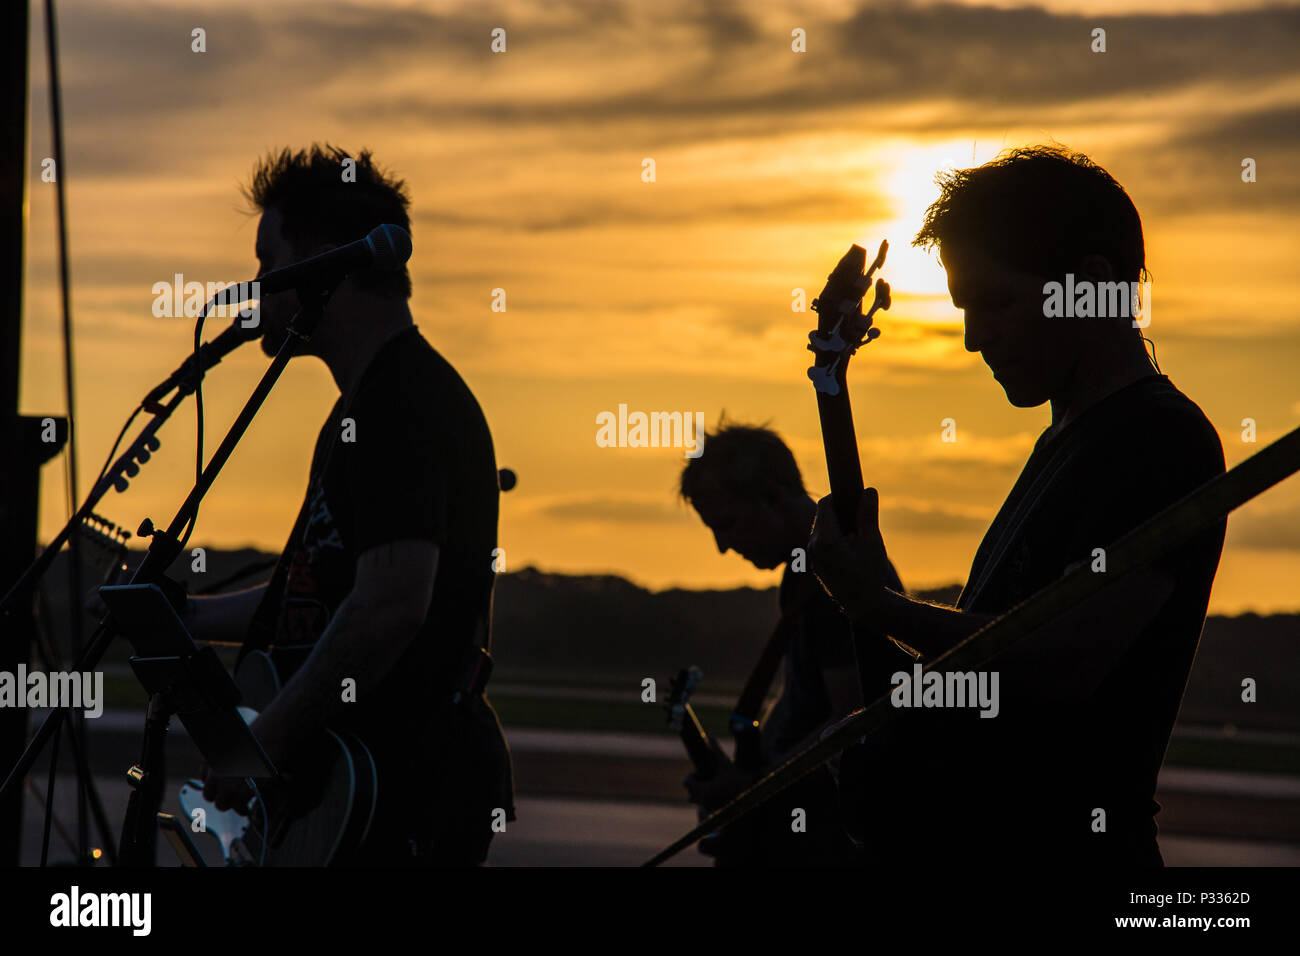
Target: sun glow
pixel 910 186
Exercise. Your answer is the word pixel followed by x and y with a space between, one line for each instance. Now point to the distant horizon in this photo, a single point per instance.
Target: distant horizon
pixel 922 590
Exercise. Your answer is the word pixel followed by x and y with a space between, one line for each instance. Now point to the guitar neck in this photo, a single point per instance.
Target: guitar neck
pixel 844 470
pixel 697 744
pixel 843 467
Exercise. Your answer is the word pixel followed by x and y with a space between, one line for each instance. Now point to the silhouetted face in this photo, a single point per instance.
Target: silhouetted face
pixel 275 252
pixel 1031 356
pixel 755 528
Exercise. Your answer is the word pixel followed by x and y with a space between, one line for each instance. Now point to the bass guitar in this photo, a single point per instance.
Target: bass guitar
pixel 842 329
pixel 727 846
pixel 735 844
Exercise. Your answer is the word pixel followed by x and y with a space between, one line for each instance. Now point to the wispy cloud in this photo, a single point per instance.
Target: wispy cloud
pixel 525 169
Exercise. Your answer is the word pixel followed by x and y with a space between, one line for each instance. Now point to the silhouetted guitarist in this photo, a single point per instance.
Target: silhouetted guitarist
pixel 385 584
pixel 1065 773
pixel 748 491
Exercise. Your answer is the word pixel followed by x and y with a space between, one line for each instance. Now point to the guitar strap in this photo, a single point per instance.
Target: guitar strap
pixel 764 672
pixel 476 665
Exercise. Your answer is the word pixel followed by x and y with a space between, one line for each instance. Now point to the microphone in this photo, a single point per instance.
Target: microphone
pixel 387 248
pixel 208 355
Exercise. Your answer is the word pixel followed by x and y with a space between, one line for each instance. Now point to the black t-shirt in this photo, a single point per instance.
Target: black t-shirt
pixel 1025 785
pixel 410 456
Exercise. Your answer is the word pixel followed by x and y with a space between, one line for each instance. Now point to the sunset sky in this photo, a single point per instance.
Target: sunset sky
pixel 525 169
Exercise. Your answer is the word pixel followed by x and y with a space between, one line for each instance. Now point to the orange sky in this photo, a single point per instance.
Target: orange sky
pixel 525 169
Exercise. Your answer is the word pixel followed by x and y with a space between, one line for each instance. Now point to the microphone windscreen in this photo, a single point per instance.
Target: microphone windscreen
pixel 391 246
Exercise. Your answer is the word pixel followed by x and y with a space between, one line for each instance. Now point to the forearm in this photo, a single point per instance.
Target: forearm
pixel 930 629
pixel 222 618
pixel 363 641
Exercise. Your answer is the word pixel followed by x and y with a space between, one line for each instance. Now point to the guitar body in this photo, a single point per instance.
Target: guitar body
pixel 314 818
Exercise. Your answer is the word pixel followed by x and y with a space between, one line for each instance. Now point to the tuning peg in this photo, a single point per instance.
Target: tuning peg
pixel 141 456
pixel 882 299
pixel 120 484
pixel 152 443
pixel 823 378
pixel 879 260
pixel 819 341
pixel 131 468
pixel 146 529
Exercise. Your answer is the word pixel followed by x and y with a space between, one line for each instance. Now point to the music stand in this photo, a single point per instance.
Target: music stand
pixel 189 682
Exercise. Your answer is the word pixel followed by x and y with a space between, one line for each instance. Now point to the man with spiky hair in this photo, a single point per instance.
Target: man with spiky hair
pixel 1065 774
pixel 385 584
pixel 747 489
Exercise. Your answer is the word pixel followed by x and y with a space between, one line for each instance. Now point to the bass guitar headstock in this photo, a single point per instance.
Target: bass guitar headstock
pixel 679 695
pixel 841 325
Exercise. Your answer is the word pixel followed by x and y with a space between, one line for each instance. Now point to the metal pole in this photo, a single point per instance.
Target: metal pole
pixel 24 450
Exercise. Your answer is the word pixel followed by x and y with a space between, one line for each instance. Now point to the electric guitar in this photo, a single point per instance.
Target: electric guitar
pixel 842 329
pixel 683 721
pixel 728 845
pixel 103 551
pixel 102 554
pixel 314 818
pixel 736 843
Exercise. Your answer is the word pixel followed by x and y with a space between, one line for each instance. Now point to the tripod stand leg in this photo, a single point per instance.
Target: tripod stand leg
pixel 92 793
pixel 77 736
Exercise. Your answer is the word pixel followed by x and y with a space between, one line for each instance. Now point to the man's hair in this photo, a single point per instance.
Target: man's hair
pixel 746 460
pixel 317 205
pixel 1039 209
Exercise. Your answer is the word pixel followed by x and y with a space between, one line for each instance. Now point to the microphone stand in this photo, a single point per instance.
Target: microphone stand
pixel 164 546
pixel 117 476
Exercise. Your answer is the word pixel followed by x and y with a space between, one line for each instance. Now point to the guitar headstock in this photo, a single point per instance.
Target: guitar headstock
pixel 841 325
pixel 679 695
pixel 105 558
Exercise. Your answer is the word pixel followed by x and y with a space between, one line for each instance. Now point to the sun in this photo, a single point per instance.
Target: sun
pixel 910 186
